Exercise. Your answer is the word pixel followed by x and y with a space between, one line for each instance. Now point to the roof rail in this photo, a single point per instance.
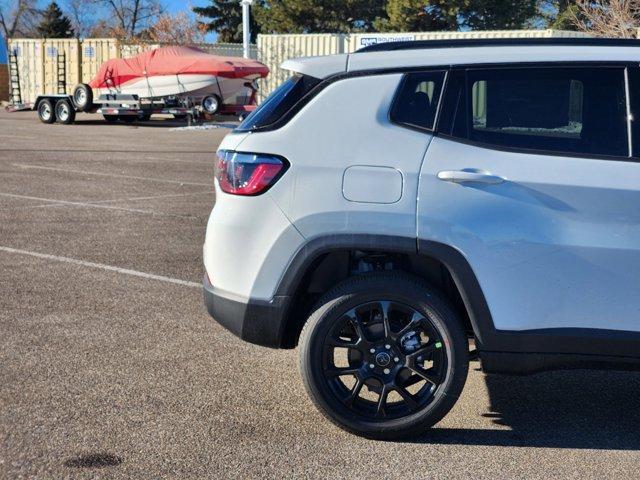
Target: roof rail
pixel 500 42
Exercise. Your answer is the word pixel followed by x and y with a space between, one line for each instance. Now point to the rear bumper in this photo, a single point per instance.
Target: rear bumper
pixel 255 321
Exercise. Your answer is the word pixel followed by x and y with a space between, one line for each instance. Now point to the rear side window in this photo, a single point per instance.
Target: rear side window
pixel 417 100
pixel 579 110
pixel 279 102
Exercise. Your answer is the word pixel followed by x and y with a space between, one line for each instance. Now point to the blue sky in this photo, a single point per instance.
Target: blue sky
pixel 178 5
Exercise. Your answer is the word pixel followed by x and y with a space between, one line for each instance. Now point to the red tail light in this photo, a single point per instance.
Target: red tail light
pixel 247 173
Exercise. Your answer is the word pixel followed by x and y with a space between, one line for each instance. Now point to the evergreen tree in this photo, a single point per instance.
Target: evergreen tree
pixel 319 16
pixel 430 15
pixel 420 15
pixel 499 14
pixel 226 20
pixel 54 24
pixel 560 14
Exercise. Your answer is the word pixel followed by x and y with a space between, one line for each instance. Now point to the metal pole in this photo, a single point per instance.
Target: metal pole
pixel 246 28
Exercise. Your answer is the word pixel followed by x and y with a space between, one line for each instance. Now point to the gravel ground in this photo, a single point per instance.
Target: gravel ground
pixel 111 368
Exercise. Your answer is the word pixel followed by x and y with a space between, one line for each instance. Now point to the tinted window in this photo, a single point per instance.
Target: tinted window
pixel 572 110
pixel 279 102
pixel 416 103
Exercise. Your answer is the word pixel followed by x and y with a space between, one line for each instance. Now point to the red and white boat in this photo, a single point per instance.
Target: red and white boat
pixel 181 72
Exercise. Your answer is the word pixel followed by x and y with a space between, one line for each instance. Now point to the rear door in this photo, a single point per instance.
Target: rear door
pixel 533 178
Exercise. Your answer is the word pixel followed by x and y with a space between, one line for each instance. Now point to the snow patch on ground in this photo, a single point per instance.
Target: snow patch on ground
pixel 205 126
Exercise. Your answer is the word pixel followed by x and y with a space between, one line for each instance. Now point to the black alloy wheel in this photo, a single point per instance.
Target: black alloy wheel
pixel 390 347
pixel 383 356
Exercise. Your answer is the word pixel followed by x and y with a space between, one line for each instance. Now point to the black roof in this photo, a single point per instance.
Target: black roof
pixel 485 42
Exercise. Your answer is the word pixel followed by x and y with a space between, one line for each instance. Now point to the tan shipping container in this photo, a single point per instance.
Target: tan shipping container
pixel 222 49
pixel 228 49
pixel 275 49
pixel 354 42
pixel 29 54
pixel 61 61
pixel 94 52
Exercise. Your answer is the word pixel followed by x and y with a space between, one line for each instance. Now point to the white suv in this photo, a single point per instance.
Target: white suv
pixel 383 208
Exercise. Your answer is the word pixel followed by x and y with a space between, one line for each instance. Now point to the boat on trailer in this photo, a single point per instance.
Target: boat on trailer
pixel 182 81
pixel 182 73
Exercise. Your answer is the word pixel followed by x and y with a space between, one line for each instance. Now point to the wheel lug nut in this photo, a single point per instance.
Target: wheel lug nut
pixel 388 347
pixel 371 365
pixel 387 371
pixel 373 350
pixel 396 359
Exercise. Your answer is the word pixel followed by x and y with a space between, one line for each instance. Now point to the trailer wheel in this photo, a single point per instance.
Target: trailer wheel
pixel 111 118
pixel 46 112
pixel 65 113
pixel 83 97
pixel 211 104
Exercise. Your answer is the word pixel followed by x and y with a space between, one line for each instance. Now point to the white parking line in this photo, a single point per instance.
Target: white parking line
pixel 97 202
pixel 110 268
pixel 113 175
pixel 154 197
pixel 59 203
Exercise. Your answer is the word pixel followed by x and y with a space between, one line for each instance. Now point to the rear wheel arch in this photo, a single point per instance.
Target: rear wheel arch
pixel 325 262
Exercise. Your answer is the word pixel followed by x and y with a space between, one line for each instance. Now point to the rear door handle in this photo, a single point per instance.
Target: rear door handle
pixel 470 176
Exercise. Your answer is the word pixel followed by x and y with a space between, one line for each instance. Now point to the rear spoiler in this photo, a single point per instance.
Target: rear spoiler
pixel 318 67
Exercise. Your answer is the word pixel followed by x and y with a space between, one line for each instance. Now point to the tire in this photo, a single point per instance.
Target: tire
pixel 211 104
pixel 46 112
pixel 83 97
pixel 423 339
pixel 111 118
pixel 65 112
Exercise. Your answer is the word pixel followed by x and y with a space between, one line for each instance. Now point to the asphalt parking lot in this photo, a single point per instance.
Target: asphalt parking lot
pixel 111 368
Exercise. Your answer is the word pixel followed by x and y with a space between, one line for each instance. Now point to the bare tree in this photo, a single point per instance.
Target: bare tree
pixel 18 17
pixel 178 29
pixel 608 18
pixel 83 15
pixel 131 16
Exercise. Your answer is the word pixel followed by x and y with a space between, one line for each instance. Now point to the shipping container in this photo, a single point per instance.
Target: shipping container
pixel 354 42
pixel 29 53
pixel 94 52
pixel 61 65
pixel 228 49
pixel 275 49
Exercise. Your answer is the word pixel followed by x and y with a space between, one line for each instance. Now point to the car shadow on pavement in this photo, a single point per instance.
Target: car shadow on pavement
pixel 569 409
